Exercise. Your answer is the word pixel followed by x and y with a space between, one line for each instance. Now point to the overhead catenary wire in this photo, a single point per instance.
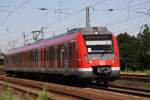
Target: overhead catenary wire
pixel 9 14
pixel 83 9
pixel 76 12
pixel 134 25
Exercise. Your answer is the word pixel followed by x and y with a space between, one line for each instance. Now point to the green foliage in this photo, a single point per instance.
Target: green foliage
pixel 135 51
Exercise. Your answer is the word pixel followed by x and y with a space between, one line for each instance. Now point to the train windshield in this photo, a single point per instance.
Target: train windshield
pixel 99 44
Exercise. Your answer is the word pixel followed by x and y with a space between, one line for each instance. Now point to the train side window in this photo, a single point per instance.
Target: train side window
pixel 18 59
pixel 35 56
pixel 55 56
pixel 58 55
pixel 51 56
pixel 15 60
pixel 46 54
pixel 66 51
pixel 30 57
pixel 70 54
pixel 12 60
pixel 39 56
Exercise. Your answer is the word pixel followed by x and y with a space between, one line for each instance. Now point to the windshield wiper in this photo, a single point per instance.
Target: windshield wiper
pixel 105 50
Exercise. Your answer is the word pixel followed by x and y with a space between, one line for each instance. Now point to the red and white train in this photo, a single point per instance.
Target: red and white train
pixel 88 53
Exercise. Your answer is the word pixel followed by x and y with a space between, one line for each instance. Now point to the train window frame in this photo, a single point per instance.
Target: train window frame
pixel 66 51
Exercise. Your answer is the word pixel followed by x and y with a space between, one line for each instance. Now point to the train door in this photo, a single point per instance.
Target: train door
pixel 72 55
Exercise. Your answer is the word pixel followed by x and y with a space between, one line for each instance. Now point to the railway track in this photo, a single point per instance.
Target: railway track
pixel 125 90
pixel 143 78
pixel 57 91
pixel 129 90
pixel 36 87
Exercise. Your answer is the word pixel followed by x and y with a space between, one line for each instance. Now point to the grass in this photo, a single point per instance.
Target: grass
pixel 7 93
pixel 44 95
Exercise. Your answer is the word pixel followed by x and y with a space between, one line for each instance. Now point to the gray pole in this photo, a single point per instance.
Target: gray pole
pixel 87 17
pixel 14 43
pixel 24 37
pixel 42 32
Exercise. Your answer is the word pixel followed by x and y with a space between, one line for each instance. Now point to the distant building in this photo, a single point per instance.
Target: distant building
pixel 2 58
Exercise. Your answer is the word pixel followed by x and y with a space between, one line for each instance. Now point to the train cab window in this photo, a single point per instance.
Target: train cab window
pixel 99 43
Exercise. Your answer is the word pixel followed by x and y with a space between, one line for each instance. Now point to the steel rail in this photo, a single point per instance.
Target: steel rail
pixel 124 90
pixel 143 78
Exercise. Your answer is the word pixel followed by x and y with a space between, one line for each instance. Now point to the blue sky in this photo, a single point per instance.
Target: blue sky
pixel 26 17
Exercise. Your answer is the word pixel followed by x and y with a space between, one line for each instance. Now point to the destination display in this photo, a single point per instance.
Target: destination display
pixel 98 37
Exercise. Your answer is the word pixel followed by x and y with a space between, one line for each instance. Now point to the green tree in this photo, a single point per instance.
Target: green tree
pixel 135 50
pixel 128 46
pixel 144 39
pixel 123 40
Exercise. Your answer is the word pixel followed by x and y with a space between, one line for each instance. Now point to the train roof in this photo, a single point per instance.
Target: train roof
pixel 90 30
pixel 73 32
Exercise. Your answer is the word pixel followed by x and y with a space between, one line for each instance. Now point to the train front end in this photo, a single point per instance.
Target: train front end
pixel 101 57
